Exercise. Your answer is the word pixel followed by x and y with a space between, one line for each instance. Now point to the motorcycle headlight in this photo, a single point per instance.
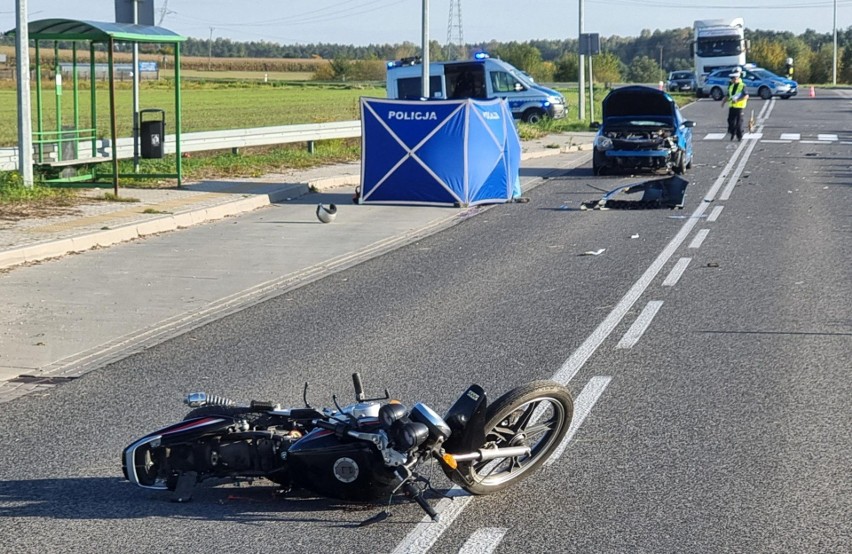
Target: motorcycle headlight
pixel 391 413
pixel 411 435
pixel 603 143
pixel 422 413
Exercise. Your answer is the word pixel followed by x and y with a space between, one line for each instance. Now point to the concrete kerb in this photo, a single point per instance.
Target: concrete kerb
pixel 172 222
pixel 107 237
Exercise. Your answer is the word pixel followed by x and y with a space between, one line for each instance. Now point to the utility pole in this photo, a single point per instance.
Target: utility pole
pixel 834 64
pixel 135 91
pixel 22 63
pixel 424 87
pixel 581 102
pixel 210 50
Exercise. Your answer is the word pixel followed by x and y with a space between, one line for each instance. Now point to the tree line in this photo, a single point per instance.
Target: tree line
pixel 646 58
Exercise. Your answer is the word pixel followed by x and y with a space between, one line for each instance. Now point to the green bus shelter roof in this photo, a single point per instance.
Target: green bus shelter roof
pixel 98 31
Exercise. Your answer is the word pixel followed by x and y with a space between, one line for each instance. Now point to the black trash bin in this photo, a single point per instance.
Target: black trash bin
pixel 152 134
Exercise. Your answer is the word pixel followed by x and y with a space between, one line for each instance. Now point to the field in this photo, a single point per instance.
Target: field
pixel 205 106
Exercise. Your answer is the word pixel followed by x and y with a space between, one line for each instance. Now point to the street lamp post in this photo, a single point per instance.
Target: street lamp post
pixel 22 63
pixel 581 99
pixel 424 88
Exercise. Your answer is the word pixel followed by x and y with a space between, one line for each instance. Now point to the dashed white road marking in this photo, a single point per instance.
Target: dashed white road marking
pixel 632 336
pixel 583 404
pixel 676 272
pixel 832 138
pixel 791 136
pixel 714 215
pixel 424 535
pixel 699 238
pixel 752 136
pixel 715 136
pixel 770 141
pixel 483 541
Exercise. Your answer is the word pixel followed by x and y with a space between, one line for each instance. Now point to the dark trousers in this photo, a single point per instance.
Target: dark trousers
pixel 735 123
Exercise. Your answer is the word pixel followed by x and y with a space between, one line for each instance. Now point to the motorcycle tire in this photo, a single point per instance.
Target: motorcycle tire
pixel 537 414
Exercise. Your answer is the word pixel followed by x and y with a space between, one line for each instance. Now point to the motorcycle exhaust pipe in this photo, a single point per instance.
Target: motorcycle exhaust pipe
pixel 484 454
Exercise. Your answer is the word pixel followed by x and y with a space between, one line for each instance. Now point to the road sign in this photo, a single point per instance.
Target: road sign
pixel 590 44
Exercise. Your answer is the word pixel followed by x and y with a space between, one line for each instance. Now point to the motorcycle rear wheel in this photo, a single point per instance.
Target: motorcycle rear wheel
pixel 537 415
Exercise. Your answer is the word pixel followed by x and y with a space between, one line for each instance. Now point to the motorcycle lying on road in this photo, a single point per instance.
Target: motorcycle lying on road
pixel 364 451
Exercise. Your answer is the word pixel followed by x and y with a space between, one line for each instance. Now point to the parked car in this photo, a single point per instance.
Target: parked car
pixel 759 82
pixel 642 128
pixel 681 81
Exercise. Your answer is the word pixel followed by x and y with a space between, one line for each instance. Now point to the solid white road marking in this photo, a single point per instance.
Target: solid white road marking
pixel 583 405
pixel 726 194
pixel 699 238
pixel 676 272
pixel 791 136
pixel 770 141
pixel 714 215
pixel 427 532
pixel 483 541
pixel 632 336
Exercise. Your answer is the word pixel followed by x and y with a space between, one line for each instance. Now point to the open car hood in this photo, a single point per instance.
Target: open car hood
pixel 638 101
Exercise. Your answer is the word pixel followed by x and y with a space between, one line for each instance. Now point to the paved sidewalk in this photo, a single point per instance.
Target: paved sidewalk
pixel 65 317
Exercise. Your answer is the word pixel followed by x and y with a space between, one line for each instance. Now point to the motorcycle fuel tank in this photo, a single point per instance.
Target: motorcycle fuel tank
pixel 339 468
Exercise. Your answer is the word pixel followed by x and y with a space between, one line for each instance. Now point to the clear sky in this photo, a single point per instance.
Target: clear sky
pixel 363 22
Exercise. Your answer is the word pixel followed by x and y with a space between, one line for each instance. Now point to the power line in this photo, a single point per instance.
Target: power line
pixel 728 7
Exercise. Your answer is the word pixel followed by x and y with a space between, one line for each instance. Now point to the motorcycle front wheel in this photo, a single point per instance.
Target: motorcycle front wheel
pixel 537 415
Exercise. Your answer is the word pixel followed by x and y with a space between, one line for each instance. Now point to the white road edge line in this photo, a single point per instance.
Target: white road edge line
pixel 483 541
pixel 583 405
pixel 676 272
pixel 635 332
pixel 699 238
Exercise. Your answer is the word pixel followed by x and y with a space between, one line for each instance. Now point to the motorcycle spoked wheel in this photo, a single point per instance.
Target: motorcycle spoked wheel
pixel 537 415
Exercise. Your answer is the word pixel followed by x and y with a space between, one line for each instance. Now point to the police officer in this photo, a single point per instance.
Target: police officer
pixel 736 99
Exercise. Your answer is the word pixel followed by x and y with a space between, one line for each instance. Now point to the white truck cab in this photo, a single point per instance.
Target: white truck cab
pixel 481 77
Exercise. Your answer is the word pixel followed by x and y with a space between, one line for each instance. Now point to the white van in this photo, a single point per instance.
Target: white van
pixel 481 77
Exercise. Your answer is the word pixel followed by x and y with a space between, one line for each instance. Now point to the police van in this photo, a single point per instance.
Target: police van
pixel 481 77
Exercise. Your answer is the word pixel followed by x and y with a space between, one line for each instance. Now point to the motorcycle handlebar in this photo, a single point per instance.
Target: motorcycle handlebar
pixel 359 387
pixel 412 492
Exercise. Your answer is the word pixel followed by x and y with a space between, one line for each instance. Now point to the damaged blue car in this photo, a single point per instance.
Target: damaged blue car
pixel 642 128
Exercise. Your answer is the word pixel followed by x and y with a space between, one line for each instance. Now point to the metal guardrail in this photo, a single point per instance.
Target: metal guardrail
pixel 214 140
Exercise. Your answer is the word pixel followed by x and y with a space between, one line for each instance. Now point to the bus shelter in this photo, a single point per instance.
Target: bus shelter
pixel 72 143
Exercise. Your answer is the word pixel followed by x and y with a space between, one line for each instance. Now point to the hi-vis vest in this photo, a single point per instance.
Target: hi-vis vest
pixel 737 90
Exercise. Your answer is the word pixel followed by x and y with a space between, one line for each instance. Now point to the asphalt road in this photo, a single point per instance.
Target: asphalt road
pixel 712 394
